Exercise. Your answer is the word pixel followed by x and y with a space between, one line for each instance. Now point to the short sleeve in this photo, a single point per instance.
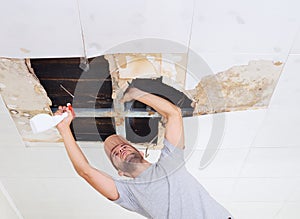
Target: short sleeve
pixel 169 149
pixel 171 157
pixel 126 200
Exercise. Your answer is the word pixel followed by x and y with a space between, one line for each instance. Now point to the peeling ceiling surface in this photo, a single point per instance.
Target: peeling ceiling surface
pixel 236 65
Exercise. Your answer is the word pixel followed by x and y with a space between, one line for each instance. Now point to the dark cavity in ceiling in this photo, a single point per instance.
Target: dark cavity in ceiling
pixel 93 90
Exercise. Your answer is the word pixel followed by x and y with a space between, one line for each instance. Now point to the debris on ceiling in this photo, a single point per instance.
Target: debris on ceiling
pixel 34 86
pixel 170 67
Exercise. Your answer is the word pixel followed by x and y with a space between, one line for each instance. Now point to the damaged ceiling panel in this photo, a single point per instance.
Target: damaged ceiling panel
pixel 96 93
pixel 170 67
pixel 24 97
pixel 238 88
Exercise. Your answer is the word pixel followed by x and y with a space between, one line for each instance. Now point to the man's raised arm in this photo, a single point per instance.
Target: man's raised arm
pixel 102 182
pixel 172 114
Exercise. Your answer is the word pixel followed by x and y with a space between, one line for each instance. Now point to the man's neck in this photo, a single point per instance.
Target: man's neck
pixel 140 168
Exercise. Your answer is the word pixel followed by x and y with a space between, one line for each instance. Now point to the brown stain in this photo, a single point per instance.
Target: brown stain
pixel 24 50
pixel 239 88
pixel 277 63
pixel 38 89
pixel 247 93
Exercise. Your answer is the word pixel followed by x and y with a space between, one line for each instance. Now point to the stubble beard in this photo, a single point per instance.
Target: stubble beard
pixel 131 162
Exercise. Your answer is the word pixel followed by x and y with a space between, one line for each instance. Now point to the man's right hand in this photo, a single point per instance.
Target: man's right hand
pixel 65 123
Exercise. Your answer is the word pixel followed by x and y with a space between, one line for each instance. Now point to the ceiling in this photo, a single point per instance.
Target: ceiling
pixel 255 172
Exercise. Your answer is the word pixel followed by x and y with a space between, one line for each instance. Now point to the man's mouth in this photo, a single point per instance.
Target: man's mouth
pixel 129 157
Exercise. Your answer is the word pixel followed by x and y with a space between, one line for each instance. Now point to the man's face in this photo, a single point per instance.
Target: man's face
pixel 125 157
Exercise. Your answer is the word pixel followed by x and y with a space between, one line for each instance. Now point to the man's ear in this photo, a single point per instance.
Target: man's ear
pixel 120 173
pixel 142 153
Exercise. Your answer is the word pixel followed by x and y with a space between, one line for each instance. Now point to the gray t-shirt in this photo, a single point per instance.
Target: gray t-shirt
pixel 167 190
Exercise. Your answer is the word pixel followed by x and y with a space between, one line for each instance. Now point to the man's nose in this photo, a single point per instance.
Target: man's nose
pixel 122 148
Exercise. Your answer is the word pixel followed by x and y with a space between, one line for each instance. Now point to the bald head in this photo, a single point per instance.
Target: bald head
pixel 123 156
pixel 112 141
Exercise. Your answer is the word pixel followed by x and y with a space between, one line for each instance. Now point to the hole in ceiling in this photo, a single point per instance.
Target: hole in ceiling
pixel 61 79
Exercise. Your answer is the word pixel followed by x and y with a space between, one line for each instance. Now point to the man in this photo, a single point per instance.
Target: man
pixel 161 190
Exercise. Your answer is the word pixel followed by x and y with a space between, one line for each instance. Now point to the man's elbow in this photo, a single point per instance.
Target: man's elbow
pixel 176 111
pixel 84 172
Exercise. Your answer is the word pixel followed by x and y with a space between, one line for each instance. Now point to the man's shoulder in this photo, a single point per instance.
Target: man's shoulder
pixel 172 151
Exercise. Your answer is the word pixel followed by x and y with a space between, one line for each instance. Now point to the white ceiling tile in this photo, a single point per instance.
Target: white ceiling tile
pixel 225 163
pixel 9 135
pixel 219 188
pixel 107 27
pixel 236 30
pixel 11 140
pixel 28 162
pixel 263 189
pixel 7 124
pixel 219 62
pixel 243 12
pixel 7 207
pixel 205 133
pixel 3 109
pixel 192 158
pixel 197 68
pixel 287 91
pixel 251 210
pixel 296 45
pixel 40 29
pixel 238 129
pixel 197 131
pixel 272 162
pixel 290 210
pixel 61 198
pixel 241 128
pixel 48 162
pixel 248 38
pixel 295 193
pixel 5 210
pixel 279 129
